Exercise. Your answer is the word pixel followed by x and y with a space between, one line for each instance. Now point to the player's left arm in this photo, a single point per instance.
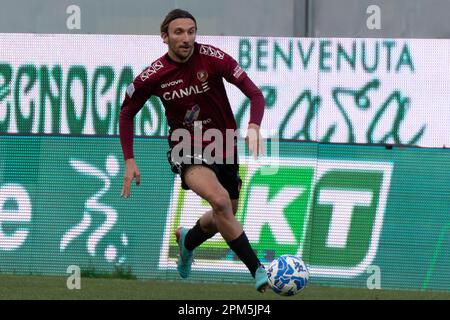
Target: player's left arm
pixel 254 138
pixel 234 74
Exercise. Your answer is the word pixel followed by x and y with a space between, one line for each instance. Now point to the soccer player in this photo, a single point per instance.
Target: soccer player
pixel 189 81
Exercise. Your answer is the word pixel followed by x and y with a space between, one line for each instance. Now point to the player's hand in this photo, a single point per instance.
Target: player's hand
pixel 254 141
pixel 131 172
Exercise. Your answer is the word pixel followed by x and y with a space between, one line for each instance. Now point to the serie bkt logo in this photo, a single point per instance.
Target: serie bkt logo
pixel 328 211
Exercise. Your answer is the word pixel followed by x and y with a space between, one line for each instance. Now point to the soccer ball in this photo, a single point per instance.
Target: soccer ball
pixel 288 275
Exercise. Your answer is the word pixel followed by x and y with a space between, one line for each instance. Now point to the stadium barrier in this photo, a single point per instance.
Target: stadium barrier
pixel 346 209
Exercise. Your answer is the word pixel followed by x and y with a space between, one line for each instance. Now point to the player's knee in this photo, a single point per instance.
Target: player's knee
pixel 221 204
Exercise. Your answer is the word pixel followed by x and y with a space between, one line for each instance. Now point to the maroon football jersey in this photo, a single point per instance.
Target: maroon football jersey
pixel 192 93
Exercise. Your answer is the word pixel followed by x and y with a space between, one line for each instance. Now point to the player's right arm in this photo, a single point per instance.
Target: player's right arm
pixel 137 94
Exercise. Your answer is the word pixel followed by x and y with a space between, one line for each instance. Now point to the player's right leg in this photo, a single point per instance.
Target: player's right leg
pixel 186 256
pixel 203 181
pixel 204 229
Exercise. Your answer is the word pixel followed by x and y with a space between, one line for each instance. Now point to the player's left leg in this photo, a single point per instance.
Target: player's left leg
pixel 206 184
pixel 207 223
pixel 204 229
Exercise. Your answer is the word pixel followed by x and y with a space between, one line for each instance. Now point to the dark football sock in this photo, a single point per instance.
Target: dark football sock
pixel 241 246
pixel 196 236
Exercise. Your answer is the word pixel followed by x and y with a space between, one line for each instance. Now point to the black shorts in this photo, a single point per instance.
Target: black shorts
pixel 227 174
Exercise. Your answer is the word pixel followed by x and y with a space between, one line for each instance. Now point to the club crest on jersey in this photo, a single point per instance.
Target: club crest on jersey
pixel 151 70
pixel 207 50
pixel 202 75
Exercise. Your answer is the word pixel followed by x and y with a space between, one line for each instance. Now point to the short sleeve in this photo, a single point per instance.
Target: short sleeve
pixel 139 91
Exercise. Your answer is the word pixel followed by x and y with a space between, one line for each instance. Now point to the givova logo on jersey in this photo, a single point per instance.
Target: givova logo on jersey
pixel 328 211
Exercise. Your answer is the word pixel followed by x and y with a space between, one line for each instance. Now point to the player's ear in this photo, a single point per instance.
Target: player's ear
pixel 165 37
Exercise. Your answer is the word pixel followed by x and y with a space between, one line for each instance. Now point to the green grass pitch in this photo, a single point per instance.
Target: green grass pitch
pixel 45 287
